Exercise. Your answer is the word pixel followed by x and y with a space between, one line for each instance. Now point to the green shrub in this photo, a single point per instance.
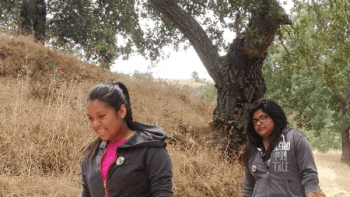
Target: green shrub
pixel 323 141
pixel 207 92
pixel 210 92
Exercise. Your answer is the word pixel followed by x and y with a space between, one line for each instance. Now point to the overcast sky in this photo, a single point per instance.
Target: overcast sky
pixel 179 65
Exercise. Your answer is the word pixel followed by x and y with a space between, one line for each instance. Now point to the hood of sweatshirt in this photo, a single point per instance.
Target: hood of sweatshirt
pixel 145 135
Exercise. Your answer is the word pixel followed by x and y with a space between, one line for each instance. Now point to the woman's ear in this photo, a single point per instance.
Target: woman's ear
pixel 122 111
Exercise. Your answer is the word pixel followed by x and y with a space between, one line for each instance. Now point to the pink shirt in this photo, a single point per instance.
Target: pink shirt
pixel 109 157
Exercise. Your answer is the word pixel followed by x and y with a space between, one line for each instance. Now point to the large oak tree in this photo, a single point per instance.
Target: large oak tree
pixel 139 26
pixel 237 74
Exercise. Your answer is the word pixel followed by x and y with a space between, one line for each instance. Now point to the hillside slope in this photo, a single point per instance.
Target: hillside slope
pixel 44 126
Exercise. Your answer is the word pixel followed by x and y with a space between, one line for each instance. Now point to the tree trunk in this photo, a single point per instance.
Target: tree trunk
pixel 345 135
pixel 345 154
pixel 39 23
pixel 33 18
pixel 25 18
pixel 241 83
pixel 238 75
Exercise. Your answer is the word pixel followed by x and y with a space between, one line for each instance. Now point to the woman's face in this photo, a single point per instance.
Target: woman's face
pixel 105 121
pixel 263 124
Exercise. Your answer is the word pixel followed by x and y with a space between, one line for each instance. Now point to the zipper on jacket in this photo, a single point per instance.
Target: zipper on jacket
pixel 104 181
pixel 268 185
pixel 105 186
pixel 267 171
pixel 268 182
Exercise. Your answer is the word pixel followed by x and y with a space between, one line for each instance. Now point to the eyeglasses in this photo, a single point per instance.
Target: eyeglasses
pixel 261 120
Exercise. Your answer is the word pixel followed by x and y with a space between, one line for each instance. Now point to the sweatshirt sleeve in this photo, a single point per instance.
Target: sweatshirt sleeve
pixel 248 183
pixel 159 171
pixel 306 164
pixel 85 192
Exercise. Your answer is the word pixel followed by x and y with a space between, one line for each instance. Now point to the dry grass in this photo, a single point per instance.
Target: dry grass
pixel 334 176
pixel 44 126
pixel 53 186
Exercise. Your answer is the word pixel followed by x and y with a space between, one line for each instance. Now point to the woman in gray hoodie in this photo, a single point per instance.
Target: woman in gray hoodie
pixel 279 160
pixel 128 158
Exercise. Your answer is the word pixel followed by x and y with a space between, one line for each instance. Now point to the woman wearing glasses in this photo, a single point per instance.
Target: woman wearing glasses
pixel 279 160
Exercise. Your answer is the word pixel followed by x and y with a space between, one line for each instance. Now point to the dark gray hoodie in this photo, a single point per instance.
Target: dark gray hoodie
pixel 143 167
pixel 292 171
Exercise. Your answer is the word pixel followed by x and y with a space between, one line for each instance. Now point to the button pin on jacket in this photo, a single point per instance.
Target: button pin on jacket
pixel 253 168
pixel 120 161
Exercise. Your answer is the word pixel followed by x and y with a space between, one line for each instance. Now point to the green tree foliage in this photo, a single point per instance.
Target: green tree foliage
pixel 28 15
pixel 74 25
pixel 308 65
pixel 84 25
pixel 106 29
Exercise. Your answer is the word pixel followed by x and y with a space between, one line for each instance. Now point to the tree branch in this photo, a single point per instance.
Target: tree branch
pixel 284 46
pixel 264 22
pixel 192 30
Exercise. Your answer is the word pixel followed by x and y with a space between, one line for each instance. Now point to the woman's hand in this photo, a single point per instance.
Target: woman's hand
pixel 311 194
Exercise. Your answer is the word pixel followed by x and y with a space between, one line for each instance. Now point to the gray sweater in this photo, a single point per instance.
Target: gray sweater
pixel 292 171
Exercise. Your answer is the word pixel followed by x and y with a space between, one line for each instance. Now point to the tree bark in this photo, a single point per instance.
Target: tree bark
pixel 205 49
pixel 39 23
pixel 33 18
pixel 237 75
pixel 25 18
pixel 345 155
pixel 241 84
pixel 345 135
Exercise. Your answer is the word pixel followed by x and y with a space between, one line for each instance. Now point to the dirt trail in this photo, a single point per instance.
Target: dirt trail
pixel 334 176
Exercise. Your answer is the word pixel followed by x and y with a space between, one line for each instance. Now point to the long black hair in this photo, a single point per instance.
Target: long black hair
pixel 255 141
pixel 114 95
